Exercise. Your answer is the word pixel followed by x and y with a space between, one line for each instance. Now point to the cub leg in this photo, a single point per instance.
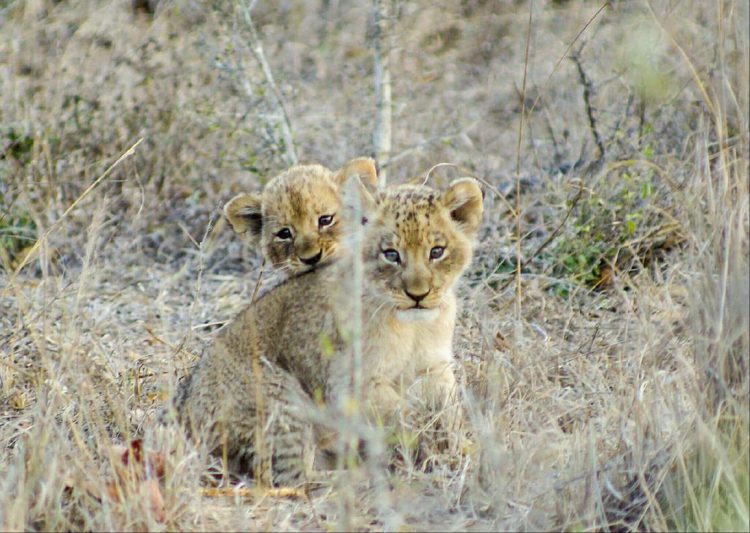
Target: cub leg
pixel 436 392
pixel 259 424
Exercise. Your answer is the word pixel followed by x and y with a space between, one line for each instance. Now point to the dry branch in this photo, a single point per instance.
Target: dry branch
pixel 290 152
pixel 564 55
pixel 588 91
pixel 518 165
pixel 381 136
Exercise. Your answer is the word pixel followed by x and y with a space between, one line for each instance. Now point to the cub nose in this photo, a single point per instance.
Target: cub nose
pixel 417 297
pixel 312 260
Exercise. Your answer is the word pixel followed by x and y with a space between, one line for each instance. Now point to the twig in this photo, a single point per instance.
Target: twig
pixel 357 281
pixel 208 324
pixel 263 473
pixel 256 46
pixel 550 130
pixel 257 282
pixel 564 55
pixel 130 151
pixel 552 236
pixel 518 164
pixel 381 135
pixel 177 349
pixel 626 114
pixel 593 338
pixel 588 91
pixel 198 286
pixel 641 122
pixel 469 173
pixel 433 167
pixel 696 77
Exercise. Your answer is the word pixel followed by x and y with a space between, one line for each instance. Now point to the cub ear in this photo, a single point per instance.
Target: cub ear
pixel 364 167
pixel 464 200
pixel 359 203
pixel 244 214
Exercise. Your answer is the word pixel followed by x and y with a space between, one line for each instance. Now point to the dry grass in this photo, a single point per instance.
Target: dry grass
pixel 608 391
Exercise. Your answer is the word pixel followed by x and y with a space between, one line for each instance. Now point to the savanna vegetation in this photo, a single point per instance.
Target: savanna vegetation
pixel 603 342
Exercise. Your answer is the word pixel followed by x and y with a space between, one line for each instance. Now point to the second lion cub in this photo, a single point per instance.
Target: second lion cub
pixel 296 219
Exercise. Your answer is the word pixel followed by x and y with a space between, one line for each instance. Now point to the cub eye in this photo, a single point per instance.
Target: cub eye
pixel 285 234
pixel 325 220
pixel 437 252
pixel 391 256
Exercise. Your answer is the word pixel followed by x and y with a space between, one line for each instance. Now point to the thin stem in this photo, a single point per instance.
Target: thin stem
pixel 256 46
pixel 518 164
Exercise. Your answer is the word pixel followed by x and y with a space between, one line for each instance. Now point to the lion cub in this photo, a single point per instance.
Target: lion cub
pixel 416 243
pixel 296 219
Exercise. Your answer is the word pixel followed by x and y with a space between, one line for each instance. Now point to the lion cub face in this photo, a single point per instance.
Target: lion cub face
pixel 296 217
pixel 417 244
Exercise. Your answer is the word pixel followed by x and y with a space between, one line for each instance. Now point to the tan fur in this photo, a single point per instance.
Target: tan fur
pixel 296 200
pixel 300 329
pixel 408 351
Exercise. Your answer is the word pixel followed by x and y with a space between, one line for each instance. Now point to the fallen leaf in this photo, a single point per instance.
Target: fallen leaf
pixel 501 343
pixel 138 468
